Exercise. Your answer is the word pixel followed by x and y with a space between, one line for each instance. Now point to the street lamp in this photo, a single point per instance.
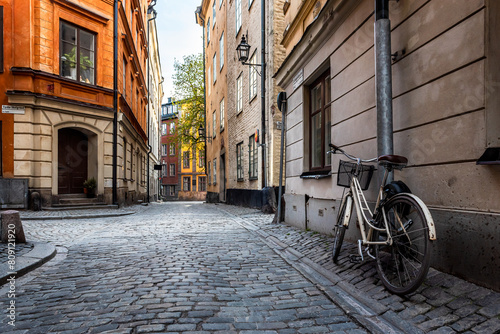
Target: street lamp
pixel 243 50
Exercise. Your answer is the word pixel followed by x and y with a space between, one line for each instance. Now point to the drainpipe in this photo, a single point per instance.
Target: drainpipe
pixel 383 78
pixel 150 9
pixel 263 89
pixel 282 105
pixel 115 102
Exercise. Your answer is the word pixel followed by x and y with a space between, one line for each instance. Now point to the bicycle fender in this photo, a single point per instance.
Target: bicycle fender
pixel 348 211
pixel 428 216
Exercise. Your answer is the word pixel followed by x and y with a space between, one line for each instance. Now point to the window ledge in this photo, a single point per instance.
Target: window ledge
pixel 316 174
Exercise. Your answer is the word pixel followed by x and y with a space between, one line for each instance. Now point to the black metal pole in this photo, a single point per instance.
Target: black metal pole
pixel 383 78
pixel 263 90
pixel 115 103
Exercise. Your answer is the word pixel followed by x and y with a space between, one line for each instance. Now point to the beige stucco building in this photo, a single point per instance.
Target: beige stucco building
pixel 445 107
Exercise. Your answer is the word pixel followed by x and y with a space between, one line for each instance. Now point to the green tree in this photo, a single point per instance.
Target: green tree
pixel 189 94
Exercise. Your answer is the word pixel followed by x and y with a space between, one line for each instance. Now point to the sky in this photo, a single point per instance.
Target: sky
pixel 178 35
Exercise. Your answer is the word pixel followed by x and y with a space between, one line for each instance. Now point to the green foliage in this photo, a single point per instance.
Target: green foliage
pixel 90 184
pixel 189 92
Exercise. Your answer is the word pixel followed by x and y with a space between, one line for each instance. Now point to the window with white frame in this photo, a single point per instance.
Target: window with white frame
pixel 172 128
pixel 201 159
pixel 171 149
pixel 215 67
pixel 209 173
pixel 239 94
pixel 171 190
pixel 208 31
pixel 252 158
pixel 164 149
pixel 221 106
pixel 215 172
pixel 164 128
pixel 238 15
pixel 214 124
pixel 239 162
pixel 172 169
pixel 253 77
pixel 214 12
pixel 221 51
pixel 186 183
pixel 164 170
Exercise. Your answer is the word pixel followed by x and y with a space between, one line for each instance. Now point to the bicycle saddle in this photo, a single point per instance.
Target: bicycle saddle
pixel 394 160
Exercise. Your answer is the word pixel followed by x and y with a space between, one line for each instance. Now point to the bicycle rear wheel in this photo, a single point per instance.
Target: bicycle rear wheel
pixel 340 227
pixel 403 266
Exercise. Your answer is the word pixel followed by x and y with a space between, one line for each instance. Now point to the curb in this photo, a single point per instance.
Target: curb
pixel 40 254
pixel 107 215
pixel 374 316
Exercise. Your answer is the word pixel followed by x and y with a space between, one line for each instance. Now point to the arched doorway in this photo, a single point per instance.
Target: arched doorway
pixel 73 151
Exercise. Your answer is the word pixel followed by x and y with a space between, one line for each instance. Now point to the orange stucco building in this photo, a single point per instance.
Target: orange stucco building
pixel 57 92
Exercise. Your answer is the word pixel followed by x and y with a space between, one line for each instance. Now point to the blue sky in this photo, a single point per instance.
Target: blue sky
pixel 178 35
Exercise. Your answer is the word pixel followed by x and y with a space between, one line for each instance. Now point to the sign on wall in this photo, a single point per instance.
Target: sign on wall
pixel 13 110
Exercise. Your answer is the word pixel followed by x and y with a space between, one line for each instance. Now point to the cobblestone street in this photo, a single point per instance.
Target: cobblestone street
pixel 174 267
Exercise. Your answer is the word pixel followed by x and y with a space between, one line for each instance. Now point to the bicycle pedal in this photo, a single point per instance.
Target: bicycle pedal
pixel 353 258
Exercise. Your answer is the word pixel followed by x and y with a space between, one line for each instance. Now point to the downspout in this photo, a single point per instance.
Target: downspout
pixel 150 9
pixel 282 105
pixel 263 89
pixel 383 78
pixel 115 103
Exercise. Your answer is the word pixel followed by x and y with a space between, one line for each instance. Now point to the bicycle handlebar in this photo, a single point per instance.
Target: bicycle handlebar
pixel 336 148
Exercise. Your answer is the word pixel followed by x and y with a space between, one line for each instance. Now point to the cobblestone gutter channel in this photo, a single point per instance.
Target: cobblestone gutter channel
pixel 443 304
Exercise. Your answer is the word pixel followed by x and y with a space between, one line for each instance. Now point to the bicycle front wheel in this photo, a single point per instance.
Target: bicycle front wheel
pixel 403 266
pixel 340 228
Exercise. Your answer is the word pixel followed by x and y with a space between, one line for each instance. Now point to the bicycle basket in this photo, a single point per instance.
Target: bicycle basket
pixel 347 169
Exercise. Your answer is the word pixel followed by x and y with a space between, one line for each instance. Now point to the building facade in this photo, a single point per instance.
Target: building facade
pixel 445 115
pixel 170 177
pixel 234 143
pixel 58 79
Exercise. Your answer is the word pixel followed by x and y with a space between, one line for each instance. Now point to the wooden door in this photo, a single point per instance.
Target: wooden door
pixel 73 161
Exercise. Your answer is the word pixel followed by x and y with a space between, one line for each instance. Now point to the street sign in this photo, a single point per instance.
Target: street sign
pixel 6 109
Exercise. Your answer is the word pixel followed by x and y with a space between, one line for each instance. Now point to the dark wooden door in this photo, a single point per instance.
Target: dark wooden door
pixel 73 161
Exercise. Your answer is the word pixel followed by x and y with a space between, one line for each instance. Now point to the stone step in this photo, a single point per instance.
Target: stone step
pixel 59 207
pixel 77 200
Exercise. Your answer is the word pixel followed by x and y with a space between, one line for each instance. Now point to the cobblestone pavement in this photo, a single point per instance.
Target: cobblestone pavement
pixel 20 250
pixel 176 268
pixel 443 304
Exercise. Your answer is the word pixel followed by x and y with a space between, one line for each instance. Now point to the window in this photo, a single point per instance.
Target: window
pixel 221 106
pixel 185 159
pixel 172 169
pixel 214 124
pixel 164 128
pixel 124 78
pixel 208 81
pixel 171 190
pixel 186 183
pixel 131 90
pixel 163 149
pixel 124 163
pixel 201 159
pixel 214 12
pixel 202 183
pixel 320 122
pixel 238 15
pixel 239 94
pixel 131 161
pixel 171 128
pixel 221 51
pixel 77 53
pixel 253 77
pixel 252 158
pixel 171 149
pixel 164 170
pixel 239 162
pixel 215 172
pixel 208 31
pixel 209 170
pixel 215 67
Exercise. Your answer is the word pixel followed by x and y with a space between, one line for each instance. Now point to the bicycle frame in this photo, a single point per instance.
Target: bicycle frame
pixel 361 206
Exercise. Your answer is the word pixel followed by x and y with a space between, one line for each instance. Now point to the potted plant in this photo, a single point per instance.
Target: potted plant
pixel 89 187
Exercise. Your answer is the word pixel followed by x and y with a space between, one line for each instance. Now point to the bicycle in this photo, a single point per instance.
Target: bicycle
pixel 400 229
